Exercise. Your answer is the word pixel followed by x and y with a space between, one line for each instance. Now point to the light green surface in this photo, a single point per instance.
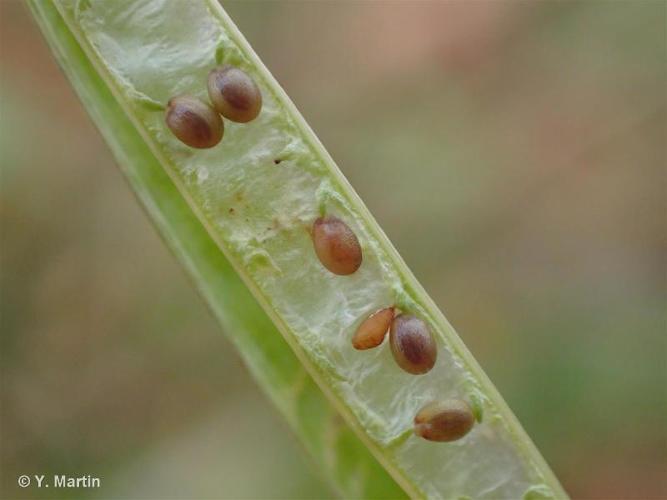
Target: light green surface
pixel 147 54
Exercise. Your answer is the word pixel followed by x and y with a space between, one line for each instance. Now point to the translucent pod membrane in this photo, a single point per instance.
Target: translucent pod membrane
pixel 256 195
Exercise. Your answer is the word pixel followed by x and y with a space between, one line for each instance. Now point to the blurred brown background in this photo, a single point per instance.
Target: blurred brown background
pixel 513 151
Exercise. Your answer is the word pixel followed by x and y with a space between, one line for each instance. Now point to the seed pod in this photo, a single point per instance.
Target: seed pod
pixel 412 344
pixel 373 329
pixel 336 245
pixel 194 122
pixel 234 94
pixel 444 421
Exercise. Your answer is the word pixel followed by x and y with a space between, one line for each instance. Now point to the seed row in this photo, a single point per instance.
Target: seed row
pixel 412 344
pixel 414 350
pixel 234 95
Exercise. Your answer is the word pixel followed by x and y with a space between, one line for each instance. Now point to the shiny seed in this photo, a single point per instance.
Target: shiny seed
pixel 412 344
pixel 444 421
pixel 373 329
pixel 234 94
pixel 336 245
pixel 194 122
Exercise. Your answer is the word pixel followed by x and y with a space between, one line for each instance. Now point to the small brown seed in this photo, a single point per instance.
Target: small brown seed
pixel 336 245
pixel 373 329
pixel 412 344
pixel 444 421
pixel 194 122
pixel 234 94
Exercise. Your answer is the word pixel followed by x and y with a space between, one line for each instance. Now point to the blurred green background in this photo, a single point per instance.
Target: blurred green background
pixel 514 152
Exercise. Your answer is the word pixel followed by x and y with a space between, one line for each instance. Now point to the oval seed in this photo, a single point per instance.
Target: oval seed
pixel 234 94
pixel 194 122
pixel 412 344
pixel 336 245
pixel 444 421
pixel 373 329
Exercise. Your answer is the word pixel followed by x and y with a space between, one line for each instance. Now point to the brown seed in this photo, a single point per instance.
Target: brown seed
pixel 336 245
pixel 194 122
pixel 234 94
pixel 444 421
pixel 373 329
pixel 412 344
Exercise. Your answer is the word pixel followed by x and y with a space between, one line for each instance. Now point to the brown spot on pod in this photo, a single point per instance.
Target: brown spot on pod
pixel 373 329
pixel 234 94
pixel 194 123
pixel 412 344
pixel 336 245
pixel 444 421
